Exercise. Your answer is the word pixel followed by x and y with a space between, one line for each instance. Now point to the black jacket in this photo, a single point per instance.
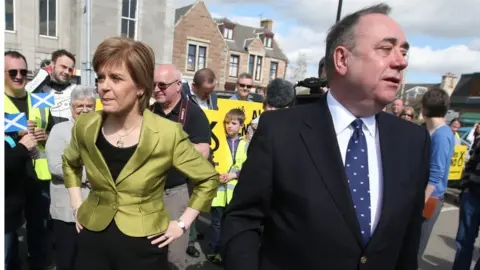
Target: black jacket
pixel 18 165
pixel 292 207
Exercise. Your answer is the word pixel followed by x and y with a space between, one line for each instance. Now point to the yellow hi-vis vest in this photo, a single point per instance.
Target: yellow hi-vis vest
pixel 37 115
pixel 225 191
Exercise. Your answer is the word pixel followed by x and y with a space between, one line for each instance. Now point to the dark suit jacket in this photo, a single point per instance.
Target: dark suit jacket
pixel 294 187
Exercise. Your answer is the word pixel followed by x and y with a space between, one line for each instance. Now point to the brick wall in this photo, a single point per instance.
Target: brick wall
pixel 198 27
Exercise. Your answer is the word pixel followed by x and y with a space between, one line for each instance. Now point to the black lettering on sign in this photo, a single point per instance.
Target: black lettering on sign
pixel 461 158
pixel 216 142
pixel 454 159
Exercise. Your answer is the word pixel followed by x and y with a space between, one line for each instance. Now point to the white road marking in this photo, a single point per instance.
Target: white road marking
pixel 449 208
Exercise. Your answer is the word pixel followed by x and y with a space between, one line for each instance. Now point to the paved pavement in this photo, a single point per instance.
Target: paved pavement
pixel 441 248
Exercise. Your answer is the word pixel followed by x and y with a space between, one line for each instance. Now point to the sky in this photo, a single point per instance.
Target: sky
pixel 443 34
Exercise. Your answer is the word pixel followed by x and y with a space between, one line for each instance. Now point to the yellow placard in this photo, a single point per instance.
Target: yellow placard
pixel 458 162
pixel 98 105
pixel 218 145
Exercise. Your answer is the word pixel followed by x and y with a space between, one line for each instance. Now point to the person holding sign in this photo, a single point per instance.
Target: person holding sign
pixel 127 152
pixel 40 122
pixel 233 123
pixel 434 105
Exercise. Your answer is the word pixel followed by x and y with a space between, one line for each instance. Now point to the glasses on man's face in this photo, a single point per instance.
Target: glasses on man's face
pixel 163 85
pixel 84 108
pixel 248 86
pixel 13 73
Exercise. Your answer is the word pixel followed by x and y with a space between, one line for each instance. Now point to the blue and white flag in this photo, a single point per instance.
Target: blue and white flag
pixel 15 122
pixel 43 100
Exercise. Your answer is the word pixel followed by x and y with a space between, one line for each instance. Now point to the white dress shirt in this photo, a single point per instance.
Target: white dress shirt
pixel 342 120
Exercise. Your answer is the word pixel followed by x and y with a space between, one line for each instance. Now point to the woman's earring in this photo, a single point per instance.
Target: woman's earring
pixel 139 94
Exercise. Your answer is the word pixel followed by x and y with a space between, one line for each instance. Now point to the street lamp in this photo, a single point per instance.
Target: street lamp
pixel 339 10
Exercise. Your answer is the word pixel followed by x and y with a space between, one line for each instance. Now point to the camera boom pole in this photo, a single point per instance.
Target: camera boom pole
pixel 339 10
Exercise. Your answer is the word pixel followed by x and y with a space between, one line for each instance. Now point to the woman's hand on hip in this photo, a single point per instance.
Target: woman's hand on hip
pixel 173 232
pixel 77 224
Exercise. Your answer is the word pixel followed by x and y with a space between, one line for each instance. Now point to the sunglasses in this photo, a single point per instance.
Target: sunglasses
pixel 406 114
pixel 14 72
pixel 248 86
pixel 162 85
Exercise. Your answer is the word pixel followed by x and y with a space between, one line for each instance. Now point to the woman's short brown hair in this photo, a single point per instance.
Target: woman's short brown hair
pixel 137 57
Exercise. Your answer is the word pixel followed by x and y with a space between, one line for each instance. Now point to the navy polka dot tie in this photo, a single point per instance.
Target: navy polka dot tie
pixel 356 167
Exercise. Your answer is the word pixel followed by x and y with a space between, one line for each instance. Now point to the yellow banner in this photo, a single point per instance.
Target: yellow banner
pixel 458 162
pixel 219 144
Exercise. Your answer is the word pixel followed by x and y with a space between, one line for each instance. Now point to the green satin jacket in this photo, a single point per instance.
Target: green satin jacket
pixel 135 200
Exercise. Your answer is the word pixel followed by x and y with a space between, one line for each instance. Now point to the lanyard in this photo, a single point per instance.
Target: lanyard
pixel 10 141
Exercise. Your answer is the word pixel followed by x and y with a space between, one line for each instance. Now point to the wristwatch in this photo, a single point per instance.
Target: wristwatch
pixel 182 225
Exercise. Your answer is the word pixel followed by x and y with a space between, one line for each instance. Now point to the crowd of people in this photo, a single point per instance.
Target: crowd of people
pixel 335 184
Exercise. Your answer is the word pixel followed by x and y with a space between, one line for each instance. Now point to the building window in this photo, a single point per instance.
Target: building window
pixel 9 15
pixel 197 57
pixel 268 42
pixel 255 66
pixel 129 18
pixel 273 70
pixel 228 33
pixel 234 60
pixel 258 69
pixel 251 64
pixel 48 18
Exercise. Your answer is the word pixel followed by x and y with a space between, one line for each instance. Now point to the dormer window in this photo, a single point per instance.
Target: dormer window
pixel 228 33
pixel 268 42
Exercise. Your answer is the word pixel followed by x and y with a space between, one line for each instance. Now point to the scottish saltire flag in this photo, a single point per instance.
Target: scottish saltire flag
pixel 15 122
pixel 43 100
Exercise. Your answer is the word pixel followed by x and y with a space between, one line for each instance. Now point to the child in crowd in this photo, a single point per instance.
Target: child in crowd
pixel 234 122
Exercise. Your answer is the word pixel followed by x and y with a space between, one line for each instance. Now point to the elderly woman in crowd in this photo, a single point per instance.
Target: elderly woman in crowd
pixel 127 152
pixel 82 101
pixel 408 113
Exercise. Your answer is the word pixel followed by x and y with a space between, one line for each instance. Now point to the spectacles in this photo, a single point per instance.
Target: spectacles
pixel 406 114
pixel 81 108
pixel 248 86
pixel 163 85
pixel 14 72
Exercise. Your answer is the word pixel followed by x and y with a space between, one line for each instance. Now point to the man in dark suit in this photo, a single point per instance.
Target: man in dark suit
pixel 337 184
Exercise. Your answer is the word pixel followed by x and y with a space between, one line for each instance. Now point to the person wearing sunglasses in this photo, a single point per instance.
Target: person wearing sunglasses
pixel 40 122
pixel 244 86
pixel 408 113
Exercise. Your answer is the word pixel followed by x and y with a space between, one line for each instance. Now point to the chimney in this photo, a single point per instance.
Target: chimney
pixel 449 82
pixel 267 24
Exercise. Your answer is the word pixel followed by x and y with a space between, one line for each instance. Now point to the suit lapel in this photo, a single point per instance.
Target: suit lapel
pixel 91 135
pixel 319 137
pixel 392 169
pixel 147 143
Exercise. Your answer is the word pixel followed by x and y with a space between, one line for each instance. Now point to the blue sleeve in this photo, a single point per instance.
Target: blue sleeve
pixel 439 156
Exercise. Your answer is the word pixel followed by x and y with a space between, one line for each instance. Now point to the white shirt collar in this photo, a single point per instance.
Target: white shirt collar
pixel 342 118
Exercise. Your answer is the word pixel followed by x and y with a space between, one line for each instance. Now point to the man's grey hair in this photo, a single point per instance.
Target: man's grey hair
pixel 82 92
pixel 342 33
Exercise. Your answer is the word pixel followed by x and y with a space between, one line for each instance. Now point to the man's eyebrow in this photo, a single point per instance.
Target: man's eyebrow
pixel 405 45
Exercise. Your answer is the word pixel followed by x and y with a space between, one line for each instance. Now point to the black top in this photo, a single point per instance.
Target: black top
pixel 195 124
pixel 116 158
pixel 18 167
pixel 22 106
